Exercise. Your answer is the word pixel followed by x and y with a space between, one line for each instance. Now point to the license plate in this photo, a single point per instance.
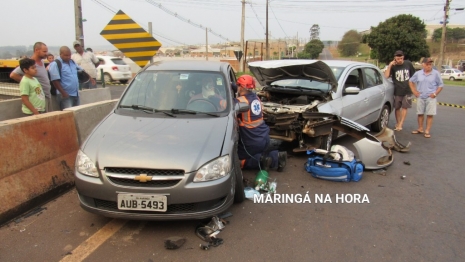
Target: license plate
pixel 142 202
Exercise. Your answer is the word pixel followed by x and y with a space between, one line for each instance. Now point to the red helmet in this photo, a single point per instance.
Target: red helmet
pixel 246 81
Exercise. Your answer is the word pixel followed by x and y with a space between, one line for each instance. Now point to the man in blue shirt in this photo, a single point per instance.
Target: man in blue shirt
pixel 66 82
pixel 426 84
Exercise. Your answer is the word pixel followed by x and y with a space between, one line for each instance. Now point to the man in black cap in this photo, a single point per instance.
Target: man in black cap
pixel 400 70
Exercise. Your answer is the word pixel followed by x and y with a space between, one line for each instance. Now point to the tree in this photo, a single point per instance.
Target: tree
pixel 402 32
pixel 314 48
pixel 437 34
pixel 452 34
pixel 349 44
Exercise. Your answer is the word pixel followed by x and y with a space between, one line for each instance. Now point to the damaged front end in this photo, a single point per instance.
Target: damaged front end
pixel 296 118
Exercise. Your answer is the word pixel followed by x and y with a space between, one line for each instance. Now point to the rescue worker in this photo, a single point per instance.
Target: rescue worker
pixel 254 142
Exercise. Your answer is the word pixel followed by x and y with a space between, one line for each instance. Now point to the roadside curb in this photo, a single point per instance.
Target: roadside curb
pixel 445 104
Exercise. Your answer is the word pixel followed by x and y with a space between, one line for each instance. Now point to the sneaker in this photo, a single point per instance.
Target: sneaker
pixel 265 163
pixel 282 160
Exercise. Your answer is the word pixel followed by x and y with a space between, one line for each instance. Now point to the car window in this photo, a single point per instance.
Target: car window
pixel 373 78
pixel 165 90
pixel 354 79
pixel 101 61
pixel 118 61
pixel 457 71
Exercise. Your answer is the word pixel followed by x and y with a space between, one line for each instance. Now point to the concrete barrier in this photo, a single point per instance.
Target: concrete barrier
pixel 10 109
pixel 86 117
pixel 39 153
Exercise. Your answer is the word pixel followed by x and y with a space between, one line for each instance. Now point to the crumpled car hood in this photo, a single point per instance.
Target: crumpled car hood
pixel 267 72
pixel 159 143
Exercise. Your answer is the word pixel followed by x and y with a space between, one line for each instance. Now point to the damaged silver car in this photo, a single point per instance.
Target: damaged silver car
pixel 294 92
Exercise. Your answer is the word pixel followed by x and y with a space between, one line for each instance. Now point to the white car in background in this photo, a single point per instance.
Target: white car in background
pixel 452 74
pixel 114 69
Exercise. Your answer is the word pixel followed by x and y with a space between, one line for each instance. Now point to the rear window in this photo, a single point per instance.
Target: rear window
pixel 118 61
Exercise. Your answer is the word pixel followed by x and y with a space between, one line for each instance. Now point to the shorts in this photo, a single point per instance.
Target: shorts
pixel 403 102
pixel 426 106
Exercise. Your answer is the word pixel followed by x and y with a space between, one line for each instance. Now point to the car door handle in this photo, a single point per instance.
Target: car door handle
pixel 365 100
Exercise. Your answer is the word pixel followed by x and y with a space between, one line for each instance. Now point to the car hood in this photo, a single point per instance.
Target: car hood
pixel 158 143
pixel 266 72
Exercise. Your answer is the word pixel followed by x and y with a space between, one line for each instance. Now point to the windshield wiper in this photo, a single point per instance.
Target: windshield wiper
pixel 147 109
pixel 187 111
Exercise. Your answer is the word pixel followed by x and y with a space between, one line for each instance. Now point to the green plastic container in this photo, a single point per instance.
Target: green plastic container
pixel 261 179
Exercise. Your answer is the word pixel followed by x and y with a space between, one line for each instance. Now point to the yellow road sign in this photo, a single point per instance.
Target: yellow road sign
pixel 131 39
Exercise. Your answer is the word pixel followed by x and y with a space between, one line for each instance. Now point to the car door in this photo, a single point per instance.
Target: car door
pixel 374 91
pixel 353 105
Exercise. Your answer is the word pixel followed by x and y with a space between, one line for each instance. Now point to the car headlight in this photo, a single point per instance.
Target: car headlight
pixel 85 165
pixel 213 170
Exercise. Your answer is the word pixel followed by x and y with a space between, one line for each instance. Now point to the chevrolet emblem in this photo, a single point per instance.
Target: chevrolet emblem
pixel 143 178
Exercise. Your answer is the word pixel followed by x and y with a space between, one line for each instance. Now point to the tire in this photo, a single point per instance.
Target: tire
pixel 107 78
pixel 451 78
pixel 382 121
pixel 239 194
pixel 123 81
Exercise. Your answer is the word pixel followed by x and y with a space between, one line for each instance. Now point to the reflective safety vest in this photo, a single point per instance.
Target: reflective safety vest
pixel 254 116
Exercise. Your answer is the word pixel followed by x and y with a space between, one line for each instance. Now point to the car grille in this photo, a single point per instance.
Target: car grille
pixel 171 209
pixel 135 183
pixel 138 171
pixel 149 172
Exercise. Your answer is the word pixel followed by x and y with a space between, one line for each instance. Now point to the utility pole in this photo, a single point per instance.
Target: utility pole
pixel 443 36
pixel 244 56
pixel 206 43
pixel 267 46
pixel 78 21
pixel 150 32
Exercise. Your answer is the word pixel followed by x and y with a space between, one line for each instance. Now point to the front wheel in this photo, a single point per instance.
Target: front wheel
pixel 239 194
pixel 107 78
pixel 451 78
pixel 382 120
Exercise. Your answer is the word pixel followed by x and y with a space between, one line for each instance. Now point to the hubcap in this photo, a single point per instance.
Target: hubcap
pixel 384 118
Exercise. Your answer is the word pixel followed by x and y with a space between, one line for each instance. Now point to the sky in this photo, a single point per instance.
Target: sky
pixel 52 21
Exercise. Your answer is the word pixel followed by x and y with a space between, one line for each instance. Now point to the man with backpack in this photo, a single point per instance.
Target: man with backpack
pixel 64 75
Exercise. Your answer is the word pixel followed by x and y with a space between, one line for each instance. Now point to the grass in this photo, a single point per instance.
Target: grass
pixel 454 83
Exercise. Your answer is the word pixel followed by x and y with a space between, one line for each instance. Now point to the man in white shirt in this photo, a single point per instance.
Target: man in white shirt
pixel 87 61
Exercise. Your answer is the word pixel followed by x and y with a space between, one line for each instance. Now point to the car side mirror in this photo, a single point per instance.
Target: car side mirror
pixel 351 90
pixel 241 107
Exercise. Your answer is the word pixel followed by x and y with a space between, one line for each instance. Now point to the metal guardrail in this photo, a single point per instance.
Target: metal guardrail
pixel 9 89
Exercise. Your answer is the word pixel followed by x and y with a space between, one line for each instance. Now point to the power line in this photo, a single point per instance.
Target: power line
pixel 112 10
pixel 184 19
pixel 250 3
pixel 278 21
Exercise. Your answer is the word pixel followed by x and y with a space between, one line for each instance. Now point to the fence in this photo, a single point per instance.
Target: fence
pixel 9 88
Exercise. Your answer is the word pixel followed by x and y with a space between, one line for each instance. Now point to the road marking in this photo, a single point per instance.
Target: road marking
pixel 445 104
pixel 96 240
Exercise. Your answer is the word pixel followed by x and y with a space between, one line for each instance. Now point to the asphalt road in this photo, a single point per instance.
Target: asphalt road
pixel 419 218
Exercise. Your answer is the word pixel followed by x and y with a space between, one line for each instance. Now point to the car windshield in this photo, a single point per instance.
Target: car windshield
pixel 309 84
pixel 177 90
pixel 457 71
pixel 118 61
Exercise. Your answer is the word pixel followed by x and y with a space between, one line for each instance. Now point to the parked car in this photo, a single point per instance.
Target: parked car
pixel 160 155
pixel 114 69
pixel 452 74
pixel 294 90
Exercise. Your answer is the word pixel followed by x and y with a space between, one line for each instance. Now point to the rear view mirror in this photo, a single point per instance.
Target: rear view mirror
pixel 351 90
